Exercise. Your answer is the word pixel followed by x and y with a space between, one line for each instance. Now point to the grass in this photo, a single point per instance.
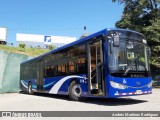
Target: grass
pixel 26 51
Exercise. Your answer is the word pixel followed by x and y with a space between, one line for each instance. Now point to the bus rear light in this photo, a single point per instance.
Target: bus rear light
pixel 117 85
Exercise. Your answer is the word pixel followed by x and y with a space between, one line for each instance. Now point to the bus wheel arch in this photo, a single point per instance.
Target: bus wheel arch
pixel 30 90
pixel 76 80
pixel 72 80
pixel 75 90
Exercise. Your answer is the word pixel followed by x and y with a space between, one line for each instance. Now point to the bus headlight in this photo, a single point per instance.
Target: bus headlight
pixel 117 85
pixel 150 84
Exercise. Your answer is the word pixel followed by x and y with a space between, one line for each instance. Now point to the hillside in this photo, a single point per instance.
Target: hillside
pixel 25 51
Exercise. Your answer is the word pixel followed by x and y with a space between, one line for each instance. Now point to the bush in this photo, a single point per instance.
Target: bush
pixel 51 47
pixel 22 45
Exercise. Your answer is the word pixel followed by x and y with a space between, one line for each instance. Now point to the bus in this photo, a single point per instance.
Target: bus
pixel 108 64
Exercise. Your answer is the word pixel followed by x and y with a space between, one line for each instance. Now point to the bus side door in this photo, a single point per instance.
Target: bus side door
pixel 95 68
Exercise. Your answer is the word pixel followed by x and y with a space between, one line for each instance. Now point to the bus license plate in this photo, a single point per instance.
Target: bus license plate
pixel 138 92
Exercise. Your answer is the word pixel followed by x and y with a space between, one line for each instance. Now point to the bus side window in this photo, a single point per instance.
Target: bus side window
pixel 71 67
pixel 81 66
pixel 59 70
pixel 48 71
pixel 54 71
pixel 63 69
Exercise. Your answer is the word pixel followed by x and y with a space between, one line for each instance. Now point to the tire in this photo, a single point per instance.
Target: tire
pixel 30 91
pixel 75 91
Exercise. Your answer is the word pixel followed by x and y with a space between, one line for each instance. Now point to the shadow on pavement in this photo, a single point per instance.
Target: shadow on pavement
pixel 97 101
pixel 114 101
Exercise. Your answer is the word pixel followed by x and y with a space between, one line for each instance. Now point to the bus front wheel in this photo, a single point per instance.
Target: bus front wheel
pixel 30 91
pixel 75 91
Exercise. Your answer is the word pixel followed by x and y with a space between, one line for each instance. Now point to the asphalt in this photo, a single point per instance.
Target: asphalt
pixel 43 102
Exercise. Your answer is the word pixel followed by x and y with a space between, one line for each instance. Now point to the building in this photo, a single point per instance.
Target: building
pixel 42 41
pixel 3 35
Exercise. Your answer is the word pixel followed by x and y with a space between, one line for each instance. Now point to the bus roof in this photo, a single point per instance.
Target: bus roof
pixel 102 32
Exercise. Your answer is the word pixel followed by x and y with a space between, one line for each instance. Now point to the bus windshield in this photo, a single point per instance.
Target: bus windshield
pixel 129 56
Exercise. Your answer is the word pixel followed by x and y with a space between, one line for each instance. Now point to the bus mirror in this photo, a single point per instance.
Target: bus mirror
pixel 149 52
pixel 116 41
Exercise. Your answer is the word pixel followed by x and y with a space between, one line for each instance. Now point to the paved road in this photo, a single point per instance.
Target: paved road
pixel 41 102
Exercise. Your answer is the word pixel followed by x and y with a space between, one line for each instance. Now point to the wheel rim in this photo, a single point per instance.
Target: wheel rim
pixel 77 91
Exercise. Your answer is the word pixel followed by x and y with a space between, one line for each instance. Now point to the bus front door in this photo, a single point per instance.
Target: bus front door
pixel 95 68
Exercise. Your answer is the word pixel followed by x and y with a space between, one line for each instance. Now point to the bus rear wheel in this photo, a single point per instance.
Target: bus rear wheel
pixel 75 91
pixel 30 91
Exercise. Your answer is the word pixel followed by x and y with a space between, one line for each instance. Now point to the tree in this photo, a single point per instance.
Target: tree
pixel 153 36
pixel 143 16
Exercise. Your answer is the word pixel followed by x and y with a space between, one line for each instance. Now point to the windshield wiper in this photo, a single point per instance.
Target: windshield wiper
pixel 130 65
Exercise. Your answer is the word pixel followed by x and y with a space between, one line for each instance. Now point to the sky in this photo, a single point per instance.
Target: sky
pixel 57 17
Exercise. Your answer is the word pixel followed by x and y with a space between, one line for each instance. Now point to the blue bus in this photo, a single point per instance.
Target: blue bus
pixel 110 63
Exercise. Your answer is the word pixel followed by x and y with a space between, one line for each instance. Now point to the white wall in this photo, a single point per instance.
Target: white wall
pixel 46 39
pixel 3 34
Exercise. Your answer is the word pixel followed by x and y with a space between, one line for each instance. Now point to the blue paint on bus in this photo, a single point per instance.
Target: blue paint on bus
pixel 102 70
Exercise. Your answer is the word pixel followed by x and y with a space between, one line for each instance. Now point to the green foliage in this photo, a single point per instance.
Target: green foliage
pixel 39 46
pixel 143 16
pixel 28 51
pixel 51 47
pixel 22 45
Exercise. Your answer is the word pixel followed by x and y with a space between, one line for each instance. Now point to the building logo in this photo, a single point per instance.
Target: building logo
pixel 47 39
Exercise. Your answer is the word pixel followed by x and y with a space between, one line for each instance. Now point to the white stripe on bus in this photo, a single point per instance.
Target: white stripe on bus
pixel 56 87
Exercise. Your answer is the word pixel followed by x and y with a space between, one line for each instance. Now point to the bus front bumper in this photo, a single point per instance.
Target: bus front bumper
pixel 120 91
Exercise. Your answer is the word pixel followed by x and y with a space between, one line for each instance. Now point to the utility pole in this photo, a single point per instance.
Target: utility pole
pixel 85 28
